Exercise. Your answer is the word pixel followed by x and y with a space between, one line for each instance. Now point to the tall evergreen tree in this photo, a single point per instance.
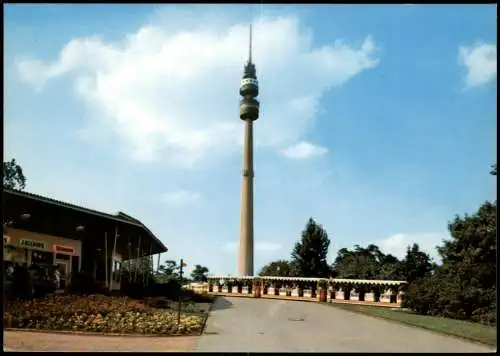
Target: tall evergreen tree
pixel 416 264
pixel 309 256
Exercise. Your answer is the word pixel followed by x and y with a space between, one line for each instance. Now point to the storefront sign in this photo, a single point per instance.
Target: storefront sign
pixel 32 244
pixel 63 249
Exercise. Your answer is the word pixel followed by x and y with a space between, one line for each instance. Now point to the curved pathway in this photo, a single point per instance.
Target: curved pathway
pixel 246 324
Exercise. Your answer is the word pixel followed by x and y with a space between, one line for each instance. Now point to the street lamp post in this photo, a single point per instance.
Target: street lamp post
pixel 182 264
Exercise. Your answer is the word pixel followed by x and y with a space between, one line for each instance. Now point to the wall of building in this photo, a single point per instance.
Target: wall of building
pixel 18 252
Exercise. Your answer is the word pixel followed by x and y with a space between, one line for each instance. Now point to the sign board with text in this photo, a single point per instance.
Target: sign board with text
pixel 33 244
pixel 67 250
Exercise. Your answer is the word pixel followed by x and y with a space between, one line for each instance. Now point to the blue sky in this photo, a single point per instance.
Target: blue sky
pixel 377 121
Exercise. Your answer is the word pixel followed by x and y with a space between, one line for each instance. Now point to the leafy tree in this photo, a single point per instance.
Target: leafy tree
pixel 357 264
pixel 199 273
pixel 13 177
pixel 367 263
pixel 468 260
pixel 493 169
pixel 280 268
pixel 310 254
pixel 137 268
pixel 464 286
pixel 391 268
pixel 423 295
pixel 167 272
pixel 416 264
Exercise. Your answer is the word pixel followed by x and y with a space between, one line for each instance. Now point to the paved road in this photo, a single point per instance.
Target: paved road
pixel 245 324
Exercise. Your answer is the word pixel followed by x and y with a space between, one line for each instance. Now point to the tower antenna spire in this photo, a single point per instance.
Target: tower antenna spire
pixel 250 46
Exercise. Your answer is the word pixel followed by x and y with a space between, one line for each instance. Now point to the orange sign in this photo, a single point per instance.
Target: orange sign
pixel 68 250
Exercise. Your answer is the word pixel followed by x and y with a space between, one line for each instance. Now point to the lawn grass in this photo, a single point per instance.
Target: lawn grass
pixel 459 328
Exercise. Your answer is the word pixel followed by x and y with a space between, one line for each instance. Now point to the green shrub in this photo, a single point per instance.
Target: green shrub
pixel 82 284
pixel 22 286
pixel 422 296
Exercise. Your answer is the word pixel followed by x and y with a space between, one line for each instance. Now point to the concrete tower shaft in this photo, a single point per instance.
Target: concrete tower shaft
pixel 249 112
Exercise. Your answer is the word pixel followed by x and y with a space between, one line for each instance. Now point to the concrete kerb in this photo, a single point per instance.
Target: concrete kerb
pixel 91 333
pixel 207 314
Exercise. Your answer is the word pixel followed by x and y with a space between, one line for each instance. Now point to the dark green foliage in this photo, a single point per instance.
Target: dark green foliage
pixel 83 284
pixel 464 286
pixel 358 263
pixel 281 268
pixel 13 177
pixel 138 290
pixel 416 264
pixel 422 296
pixel 309 255
pixel 367 263
pixel 195 297
pixel 199 273
pixel 167 272
pixel 22 286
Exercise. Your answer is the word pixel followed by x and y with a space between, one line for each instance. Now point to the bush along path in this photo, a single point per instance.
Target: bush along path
pixel 98 313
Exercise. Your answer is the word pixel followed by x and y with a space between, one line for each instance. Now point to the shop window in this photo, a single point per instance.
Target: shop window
pixel 41 258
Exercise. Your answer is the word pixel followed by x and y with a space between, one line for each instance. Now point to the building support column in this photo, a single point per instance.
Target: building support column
pixel 113 261
pixel 129 261
pixel 106 257
pixel 136 264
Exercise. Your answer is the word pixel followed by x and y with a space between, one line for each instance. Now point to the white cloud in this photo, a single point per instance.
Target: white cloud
pixel 173 94
pixel 260 246
pixel 397 244
pixel 304 150
pixel 481 63
pixel 181 198
pixel 267 246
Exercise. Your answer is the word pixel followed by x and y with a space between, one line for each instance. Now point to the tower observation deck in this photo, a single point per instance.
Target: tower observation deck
pixel 249 89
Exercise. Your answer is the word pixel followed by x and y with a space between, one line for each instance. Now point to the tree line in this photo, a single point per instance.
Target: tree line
pixel 463 286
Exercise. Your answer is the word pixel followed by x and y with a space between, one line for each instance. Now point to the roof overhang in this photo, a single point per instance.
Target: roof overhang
pixel 120 220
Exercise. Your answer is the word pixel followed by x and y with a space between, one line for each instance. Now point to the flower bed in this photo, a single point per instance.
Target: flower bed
pixel 99 313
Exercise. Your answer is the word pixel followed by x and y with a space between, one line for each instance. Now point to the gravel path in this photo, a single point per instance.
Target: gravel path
pixel 246 324
pixel 38 341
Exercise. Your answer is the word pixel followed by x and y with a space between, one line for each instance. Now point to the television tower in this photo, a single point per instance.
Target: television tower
pixel 249 112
